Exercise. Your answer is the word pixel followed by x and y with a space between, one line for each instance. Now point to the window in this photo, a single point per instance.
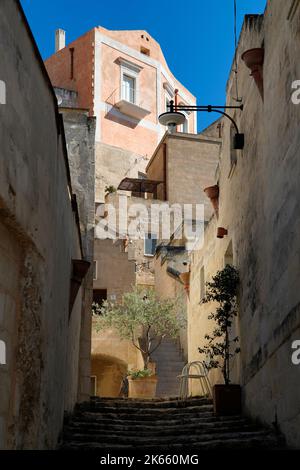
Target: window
pixel 169 94
pixel 202 283
pixel 93 385
pixel 129 88
pixel 95 267
pixel 228 258
pixel 168 99
pixel 150 244
pixel 185 125
pixel 129 80
pixel 145 51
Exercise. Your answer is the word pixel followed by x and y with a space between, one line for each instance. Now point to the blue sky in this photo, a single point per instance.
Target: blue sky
pixel 196 36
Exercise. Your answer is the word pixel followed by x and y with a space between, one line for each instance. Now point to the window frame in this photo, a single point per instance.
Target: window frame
pixel 202 283
pixel 131 70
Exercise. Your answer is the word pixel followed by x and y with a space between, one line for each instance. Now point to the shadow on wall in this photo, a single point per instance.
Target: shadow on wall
pixel 107 375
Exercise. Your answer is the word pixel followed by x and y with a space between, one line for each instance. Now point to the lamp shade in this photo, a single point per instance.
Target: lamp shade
pixel 171 119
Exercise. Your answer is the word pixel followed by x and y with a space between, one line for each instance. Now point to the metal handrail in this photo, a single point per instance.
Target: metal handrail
pixel 201 374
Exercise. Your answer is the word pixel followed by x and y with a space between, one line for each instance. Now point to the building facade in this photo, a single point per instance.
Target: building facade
pixel 123 79
pixel 259 207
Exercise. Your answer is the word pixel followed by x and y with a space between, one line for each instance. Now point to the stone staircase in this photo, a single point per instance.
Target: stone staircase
pixel 160 426
pixel 169 364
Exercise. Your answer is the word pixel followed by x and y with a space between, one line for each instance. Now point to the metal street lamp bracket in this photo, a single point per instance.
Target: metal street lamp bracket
pixel 175 114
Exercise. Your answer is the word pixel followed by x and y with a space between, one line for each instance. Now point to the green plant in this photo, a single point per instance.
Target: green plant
pixel 219 348
pixel 142 318
pixel 110 189
pixel 139 374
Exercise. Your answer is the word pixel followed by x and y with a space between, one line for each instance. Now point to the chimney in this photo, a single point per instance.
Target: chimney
pixel 60 39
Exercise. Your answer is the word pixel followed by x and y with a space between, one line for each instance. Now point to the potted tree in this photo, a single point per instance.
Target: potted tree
pixel 145 320
pixel 221 347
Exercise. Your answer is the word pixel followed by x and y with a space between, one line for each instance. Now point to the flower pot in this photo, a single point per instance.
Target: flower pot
pixel 185 279
pixel 143 387
pixel 254 59
pixel 212 192
pixel 221 232
pixel 227 399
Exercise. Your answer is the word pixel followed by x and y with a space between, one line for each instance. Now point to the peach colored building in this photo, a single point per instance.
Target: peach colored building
pixel 123 79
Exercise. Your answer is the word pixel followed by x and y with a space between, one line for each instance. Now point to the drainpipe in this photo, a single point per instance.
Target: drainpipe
pixel 165 171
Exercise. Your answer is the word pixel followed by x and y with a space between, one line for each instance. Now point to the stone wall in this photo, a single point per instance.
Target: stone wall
pixel 40 237
pixel 113 164
pixel 189 165
pixel 80 139
pixel 259 205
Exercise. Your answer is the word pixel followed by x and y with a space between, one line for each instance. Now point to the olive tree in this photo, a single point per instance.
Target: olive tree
pixel 142 318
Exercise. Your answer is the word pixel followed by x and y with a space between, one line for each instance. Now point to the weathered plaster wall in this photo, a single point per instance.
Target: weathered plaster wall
pixel 191 163
pixel 115 272
pixel 259 204
pixel 59 69
pixel 110 355
pixel 40 236
pixel 113 164
pixel 80 140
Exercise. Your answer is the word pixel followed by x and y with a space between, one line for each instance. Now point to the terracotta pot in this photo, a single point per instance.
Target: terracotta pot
pixel 222 232
pixel 253 57
pixel 227 399
pixel 144 387
pixel 212 192
pixel 185 279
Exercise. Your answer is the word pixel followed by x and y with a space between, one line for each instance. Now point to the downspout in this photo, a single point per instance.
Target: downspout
pixel 165 172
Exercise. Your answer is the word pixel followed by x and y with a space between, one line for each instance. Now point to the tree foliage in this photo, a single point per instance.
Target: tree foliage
pixel 220 348
pixel 142 318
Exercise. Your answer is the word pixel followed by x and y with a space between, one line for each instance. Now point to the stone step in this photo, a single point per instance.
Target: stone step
pixel 144 404
pixel 185 425
pixel 148 431
pixel 87 419
pixel 159 425
pixel 152 441
pixel 150 412
pixel 254 442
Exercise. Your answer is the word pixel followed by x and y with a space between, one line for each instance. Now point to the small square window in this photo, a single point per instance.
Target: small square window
pixel 145 51
pixel 150 244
